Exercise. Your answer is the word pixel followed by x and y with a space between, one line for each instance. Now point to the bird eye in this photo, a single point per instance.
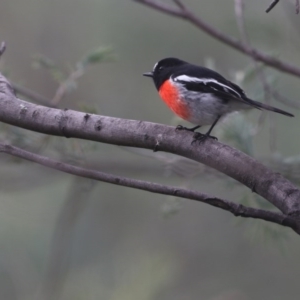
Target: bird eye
pixel 160 68
pixel 157 68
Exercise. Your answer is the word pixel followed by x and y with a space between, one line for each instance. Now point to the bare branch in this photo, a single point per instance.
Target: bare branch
pixel 268 90
pixel 2 48
pixel 179 4
pixel 162 7
pixel 275 2
pixel 272 5
pixel 280 98
pixel 68 123
pixel 32 95
pixel 235 209
pixel 63 87
pixel 239 13
pixel 226 39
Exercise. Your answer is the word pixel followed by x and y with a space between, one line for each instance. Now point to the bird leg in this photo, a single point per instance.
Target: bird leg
pixel 200 137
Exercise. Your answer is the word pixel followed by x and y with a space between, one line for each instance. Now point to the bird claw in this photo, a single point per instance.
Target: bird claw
pixel 197 137
pixel 180 127
pixel 200 137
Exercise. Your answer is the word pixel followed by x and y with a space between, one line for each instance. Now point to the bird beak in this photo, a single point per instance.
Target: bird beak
pixel 148 74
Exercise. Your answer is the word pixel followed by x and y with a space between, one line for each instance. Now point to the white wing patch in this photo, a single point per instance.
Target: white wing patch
pixel 205 81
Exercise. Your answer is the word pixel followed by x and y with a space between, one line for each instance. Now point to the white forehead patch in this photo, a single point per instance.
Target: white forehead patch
pixel 155 66
pixel 204 81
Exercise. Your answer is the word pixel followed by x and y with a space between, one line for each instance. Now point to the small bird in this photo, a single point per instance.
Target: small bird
pixel 199 95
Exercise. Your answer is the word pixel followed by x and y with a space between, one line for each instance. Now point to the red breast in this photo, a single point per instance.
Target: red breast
pixel 170 95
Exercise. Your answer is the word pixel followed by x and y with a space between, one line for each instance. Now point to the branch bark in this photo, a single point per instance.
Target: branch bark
pixel 68 123
pixel 184 13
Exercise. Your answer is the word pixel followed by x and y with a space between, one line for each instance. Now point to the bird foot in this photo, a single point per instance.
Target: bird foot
pixel 200 137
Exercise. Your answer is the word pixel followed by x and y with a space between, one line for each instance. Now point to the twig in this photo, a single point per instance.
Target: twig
pixel 239 13
pixel 272 6
pixel 32 95
pixel 235 209
pixel 2 48
pixel 63 87
pixel 179 4
pixel 168 9
pixel 275 3
pixel 188 15
pixel 280 98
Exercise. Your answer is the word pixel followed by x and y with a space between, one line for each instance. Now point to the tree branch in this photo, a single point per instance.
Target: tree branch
pixel 271 6
pixel 275 2
pixel 235 209
pixel 37 98
pixel 2 48
pixel 68 123
pixel 240 20
pixel 183 12
pixel 32 95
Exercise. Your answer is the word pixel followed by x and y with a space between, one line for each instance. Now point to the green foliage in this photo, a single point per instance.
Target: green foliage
pixel 41 61
pixel 237 130
pixel 68 82
pixel 98 55
pixel 171 206
pixel 91 109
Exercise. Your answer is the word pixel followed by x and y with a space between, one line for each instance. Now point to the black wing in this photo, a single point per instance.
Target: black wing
pixel 200 79
pixel 203 80
pixel 213 87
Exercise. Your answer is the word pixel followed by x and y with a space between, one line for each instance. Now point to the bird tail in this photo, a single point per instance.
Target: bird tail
pixel 260 105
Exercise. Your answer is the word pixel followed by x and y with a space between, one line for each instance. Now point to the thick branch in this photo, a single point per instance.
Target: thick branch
pixel 270 185
pixel 235 209
pixel 184 13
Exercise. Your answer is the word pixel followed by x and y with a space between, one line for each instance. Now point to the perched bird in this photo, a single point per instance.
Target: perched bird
pixel 199 95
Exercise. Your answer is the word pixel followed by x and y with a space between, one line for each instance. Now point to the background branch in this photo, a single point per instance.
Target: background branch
pixel 235 209
pixel 239 13
pixel 32 95
pixel 184 13
pixel 275 2
pixel 268 90
pixel 2 48
pixel 272 5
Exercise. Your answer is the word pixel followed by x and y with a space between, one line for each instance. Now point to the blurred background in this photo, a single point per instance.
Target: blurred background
pixel 63 237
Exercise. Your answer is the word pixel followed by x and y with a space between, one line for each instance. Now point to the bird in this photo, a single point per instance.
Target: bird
pixel 200 95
